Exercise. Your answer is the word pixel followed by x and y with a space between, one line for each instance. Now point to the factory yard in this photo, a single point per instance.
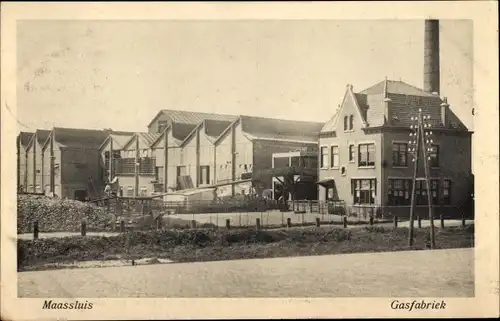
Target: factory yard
pixel 440 273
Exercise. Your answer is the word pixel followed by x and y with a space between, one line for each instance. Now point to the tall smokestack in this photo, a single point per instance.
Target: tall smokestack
pixel 431 56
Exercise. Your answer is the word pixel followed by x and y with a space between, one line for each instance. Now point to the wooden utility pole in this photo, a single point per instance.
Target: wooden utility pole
pixel 421 144
pixel 137 168
pixel 414 179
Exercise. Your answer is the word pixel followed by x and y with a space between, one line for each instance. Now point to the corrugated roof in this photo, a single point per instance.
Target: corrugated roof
pixel 280 129
pixel 80 138
pixel 149 138
pixel 194 118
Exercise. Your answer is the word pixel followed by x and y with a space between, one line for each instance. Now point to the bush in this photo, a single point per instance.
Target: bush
pixel 57 215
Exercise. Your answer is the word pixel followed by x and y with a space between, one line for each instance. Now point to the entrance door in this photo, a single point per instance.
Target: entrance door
pixel 80 195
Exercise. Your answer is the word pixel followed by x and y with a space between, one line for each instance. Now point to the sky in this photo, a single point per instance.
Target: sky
pixel 119 74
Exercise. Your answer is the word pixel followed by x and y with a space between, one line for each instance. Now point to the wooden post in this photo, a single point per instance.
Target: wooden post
pixel 122 226
pixel 257 223
pixel 310 206
pixel 345 221
pixel 35 230
pixel 396 221
pixel 228 223
pixel 442 221
pixel 193 224
pixel 371 220
pixel 158 222
pixel 318 223
pixel 419 219
pixel 289 222
pixel 83 228
pixel 463 220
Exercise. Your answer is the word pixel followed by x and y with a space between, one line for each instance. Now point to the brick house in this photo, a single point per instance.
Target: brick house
pixel 34 160
pixel 75 171
pixel 23 139
pixel 364 157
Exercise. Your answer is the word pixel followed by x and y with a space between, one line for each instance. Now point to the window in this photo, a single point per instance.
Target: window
pixel 324 157
pixel 399 154
pixel 159 174
pixel 295 161
pixel 145 153
pixel 364 191
pixel 446 192
pixel 144 191
pixel 334 160
pixel 366 155
pixel 130 191
pixel 434 155
pixel 346 119
pixel 204 175
pixel 351 122
pixel 421 192
pixel 352 153
pixel 162 124
pixel 399 192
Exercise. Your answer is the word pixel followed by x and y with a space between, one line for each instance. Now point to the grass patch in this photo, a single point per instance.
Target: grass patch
pixel 221 244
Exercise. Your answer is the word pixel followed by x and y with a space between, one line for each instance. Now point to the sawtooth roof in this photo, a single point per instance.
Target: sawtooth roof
pixel 80 138
pixel 23 139
pixel 192 117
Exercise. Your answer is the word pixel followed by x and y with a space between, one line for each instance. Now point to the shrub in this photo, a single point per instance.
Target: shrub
pixel 56 215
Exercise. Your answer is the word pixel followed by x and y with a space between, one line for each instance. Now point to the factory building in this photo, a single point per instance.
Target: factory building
pixel 364 151
pixel 34 163
pixel 23 139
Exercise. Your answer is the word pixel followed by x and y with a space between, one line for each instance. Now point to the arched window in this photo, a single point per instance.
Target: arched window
pixel 345 122
pixel 351 122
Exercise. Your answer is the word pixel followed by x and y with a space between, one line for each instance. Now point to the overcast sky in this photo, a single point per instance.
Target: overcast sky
pixel 119 74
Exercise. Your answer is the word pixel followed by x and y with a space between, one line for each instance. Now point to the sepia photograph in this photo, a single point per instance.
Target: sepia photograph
pixel 231 158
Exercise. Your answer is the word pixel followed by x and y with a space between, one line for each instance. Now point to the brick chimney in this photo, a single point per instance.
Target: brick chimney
pixel 444 112
pixel 431 57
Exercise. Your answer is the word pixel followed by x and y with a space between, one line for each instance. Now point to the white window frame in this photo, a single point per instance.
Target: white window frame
pixel 331 156
pixel 324 166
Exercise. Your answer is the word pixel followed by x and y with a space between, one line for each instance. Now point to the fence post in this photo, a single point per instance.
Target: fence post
pixel 282 218
pixel 310 206
pixel 289 222
pixel 302 215
pixel 257 223
pixel 442 221
pixel 318 222
pixel 122 226
pixel 228 223
pixel 83 228
pixel 158 222
pixel 419 219
pixel 193 224
pixel 345 221
pixel 371 220
pixel 395 221
pixel 35 230
pixel 463 220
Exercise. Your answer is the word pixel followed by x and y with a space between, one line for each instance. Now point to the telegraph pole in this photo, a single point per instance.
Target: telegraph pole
pixel 421 139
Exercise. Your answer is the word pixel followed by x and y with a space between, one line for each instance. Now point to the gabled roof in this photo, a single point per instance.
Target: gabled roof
pixel 24 138
pixel 260 128
pixel 147 139
pixel 40 136
pixel 191 117
pixel 119 139
pixel 404 101
pixel 79 138
pixel 211 128
pixel 359 101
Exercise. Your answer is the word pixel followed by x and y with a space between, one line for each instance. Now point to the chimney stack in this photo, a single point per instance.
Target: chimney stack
pixel 431 57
